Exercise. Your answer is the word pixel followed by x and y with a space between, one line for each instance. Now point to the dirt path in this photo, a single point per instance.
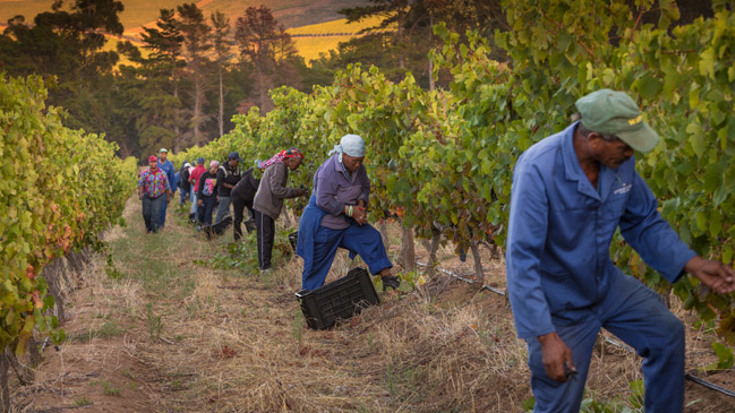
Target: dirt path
pixel 174 334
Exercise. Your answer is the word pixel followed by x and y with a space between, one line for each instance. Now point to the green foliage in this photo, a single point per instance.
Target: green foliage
pixel 725 355
pixel 60 189
pixel 445 158
pixel 82 401
pixel 243 255
pixel 108 388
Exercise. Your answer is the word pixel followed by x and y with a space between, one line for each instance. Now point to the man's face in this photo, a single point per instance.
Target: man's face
pixel 153 165
pixel 351 163
pixel 163 156
pixel 234 163
pixel 293 163
pixel 611 153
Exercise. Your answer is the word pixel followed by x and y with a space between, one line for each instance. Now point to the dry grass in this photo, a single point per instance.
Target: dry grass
pixel 193 338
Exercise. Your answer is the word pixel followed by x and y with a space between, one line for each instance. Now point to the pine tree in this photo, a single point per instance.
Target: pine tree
pixel 197 42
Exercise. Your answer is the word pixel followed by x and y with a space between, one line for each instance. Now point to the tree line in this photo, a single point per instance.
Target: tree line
pixel 192 71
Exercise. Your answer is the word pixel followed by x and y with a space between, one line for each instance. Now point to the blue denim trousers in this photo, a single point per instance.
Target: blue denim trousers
pixel 152 212
pixel 223 209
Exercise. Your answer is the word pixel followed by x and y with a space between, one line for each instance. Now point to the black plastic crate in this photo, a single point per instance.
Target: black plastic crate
pixel 340 299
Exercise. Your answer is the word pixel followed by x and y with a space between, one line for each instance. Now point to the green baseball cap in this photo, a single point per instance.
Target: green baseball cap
pixel 615 113
pixel 163 150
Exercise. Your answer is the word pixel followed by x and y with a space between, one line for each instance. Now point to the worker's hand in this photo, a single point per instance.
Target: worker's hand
pixel 713 274
pixel 557 357
pixel 140 196
pixel 200 202
pixel 360 215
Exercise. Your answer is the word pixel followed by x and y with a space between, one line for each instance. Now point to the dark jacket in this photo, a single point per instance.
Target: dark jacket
pixel 184 179
pixel 246 188
pixel 203 180
pixel 227 174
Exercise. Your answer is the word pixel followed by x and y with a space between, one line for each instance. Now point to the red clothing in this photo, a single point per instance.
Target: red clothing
pixel 196 174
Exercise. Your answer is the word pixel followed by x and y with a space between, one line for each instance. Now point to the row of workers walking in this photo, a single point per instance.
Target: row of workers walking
pixel 335 217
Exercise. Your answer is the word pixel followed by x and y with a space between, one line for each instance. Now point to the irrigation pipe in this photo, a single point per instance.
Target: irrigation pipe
pixel 467 280
pixel 709 385
pixel 687 376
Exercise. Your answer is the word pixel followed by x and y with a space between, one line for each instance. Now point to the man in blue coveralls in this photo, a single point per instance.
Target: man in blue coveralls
pixel 168 168
pixel 570 192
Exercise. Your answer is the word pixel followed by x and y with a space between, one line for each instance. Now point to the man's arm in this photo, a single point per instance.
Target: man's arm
pixel 527 234
pixel 713 274
pixel 221 179
pixel 650 235
pixel 275 177
pixel 660 246
pixel 556 356
pixel 140 185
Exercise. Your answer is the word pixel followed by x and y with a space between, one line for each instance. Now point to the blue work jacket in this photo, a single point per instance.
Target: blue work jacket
pixel 168 168
pixel 560 229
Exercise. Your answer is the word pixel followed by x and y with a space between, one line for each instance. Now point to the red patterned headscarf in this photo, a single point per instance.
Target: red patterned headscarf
pixel 280 156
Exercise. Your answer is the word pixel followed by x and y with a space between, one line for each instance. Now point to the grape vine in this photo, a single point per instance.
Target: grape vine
pixel 444 158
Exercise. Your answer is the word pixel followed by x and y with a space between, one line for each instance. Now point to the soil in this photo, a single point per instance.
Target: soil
pixel 227 340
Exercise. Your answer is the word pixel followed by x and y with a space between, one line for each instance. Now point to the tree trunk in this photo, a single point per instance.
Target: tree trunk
pixel 24 374
pixel 198 103
pixel 34 351
pixel 52 274
pixel 666 297
pixel 432 85
pixel 383 225
pixel 4 389
pixel 408 249
pixel 178 144
pixel 287 218
pixel 221 104
pixel 479 273
pixel 433 248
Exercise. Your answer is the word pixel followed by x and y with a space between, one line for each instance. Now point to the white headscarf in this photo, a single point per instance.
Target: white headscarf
pixel 352 145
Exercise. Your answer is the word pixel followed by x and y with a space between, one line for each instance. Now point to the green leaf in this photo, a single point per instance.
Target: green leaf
pixel 649 86
pixel 715 223
pixel 725 354
pixel 713 177
pixel 707 62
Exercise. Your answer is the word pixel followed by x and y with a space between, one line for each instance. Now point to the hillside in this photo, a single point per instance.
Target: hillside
pixel 319 38
pixel 316 26
pixel 291 13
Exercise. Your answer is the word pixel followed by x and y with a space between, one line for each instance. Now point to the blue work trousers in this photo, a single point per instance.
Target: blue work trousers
pixel 193 196
pixel 152 212
pixel 205 211
pixel 223 209
pixel 636 315
pixel 164 205
pixel 363 240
